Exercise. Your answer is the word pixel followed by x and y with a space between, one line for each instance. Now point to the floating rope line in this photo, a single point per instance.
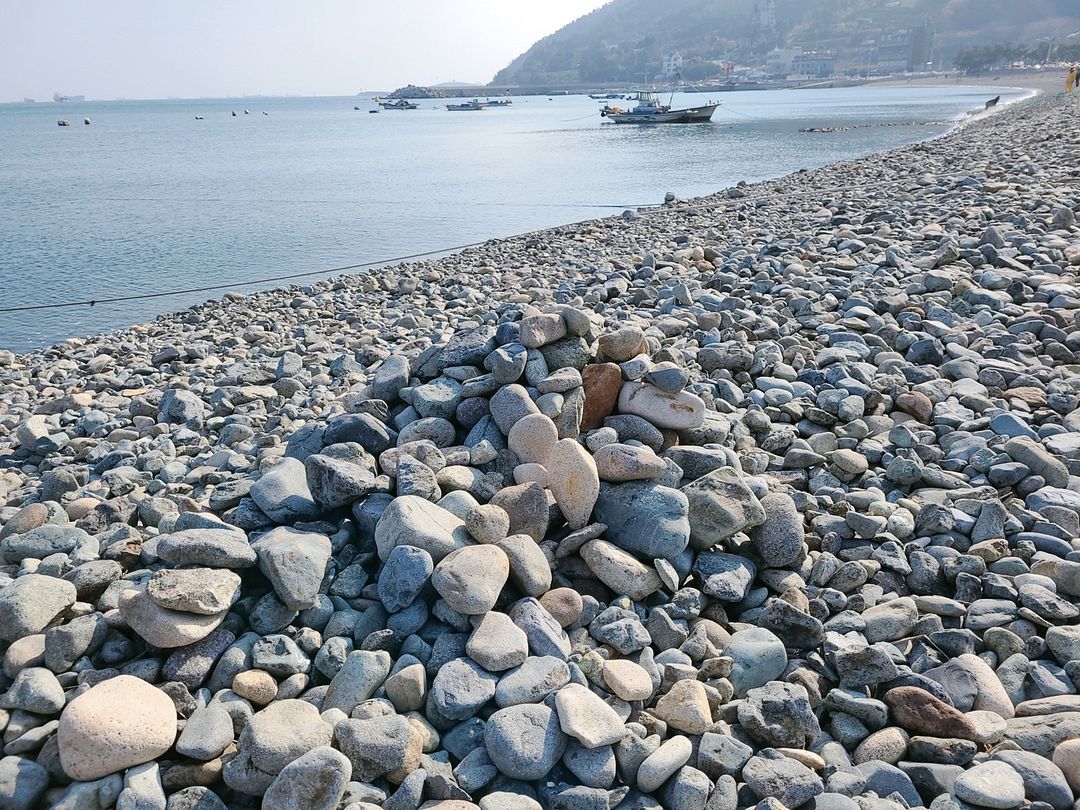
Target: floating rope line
pixel 763 194
pixel 270 280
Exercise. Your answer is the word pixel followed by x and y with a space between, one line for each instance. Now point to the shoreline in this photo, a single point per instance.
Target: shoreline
pixel 966 120
pixel 766 498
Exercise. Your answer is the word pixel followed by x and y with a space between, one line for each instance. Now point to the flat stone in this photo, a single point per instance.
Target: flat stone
pixel 282 493
pixel 413 521
pixel 620 571
pixel 676 411
pixel 496 643
pixel 211 548
pixel 645 518
pixel 206 591
pixel 163 627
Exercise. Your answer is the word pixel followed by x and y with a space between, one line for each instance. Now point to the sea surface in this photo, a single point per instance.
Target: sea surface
pixel 148 199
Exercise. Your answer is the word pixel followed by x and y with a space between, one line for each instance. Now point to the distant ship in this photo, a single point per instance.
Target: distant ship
pixel 28 101
pixel 650 111
pixel 466 106
pixel 62 98
pixel 396 104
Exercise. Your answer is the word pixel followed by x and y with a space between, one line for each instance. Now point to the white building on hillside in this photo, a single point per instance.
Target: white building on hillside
pixel 673 63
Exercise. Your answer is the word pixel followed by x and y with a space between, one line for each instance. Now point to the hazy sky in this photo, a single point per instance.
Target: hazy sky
pixel 159 48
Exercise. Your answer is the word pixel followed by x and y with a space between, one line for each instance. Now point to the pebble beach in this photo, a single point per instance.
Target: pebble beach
pixel 768 499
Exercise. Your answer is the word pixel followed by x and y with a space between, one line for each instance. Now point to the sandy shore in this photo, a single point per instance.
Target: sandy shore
pixel 1044 82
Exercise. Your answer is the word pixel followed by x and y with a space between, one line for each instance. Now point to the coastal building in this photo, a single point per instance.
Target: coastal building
pixel 905 50
pixel 778 61
pixel 673 63
pixel 813 65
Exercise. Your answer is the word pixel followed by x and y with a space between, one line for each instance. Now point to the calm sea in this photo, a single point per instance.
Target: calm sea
pixel 147 198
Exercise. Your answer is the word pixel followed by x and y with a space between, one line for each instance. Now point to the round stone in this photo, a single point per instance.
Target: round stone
pixel 255 685
pixel 991 784
pixel 627 680
pixel 471 578
pixel 524 741
pixel 114 725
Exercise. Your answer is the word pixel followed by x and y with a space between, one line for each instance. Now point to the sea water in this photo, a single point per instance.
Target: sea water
pixel 148 199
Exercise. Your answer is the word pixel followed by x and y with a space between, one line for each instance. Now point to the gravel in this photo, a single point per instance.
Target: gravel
pixel 766 499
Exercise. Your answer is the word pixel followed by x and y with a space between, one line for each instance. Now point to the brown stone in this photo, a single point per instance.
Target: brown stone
pixel 601 382
pixel 1028 394
pixel 919 712
pixel 917 404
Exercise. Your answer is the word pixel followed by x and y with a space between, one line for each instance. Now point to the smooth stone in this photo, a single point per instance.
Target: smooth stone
pixel 759 657
pixel 207 591
pixel 620 571
pixel 524 741
pixel 471 578
pixel 627 680
pixel 210 548
pixel 315 781
pixel 645 519
pixel 163 627
pixel 676 411
pixel 30 603
pixel 586 717
pixel 573 480
pixel 532 439
pixel 991 784
pixel 627 462
pixel 412 521
pixel 496 643
pixel 119 723
pixel 282 493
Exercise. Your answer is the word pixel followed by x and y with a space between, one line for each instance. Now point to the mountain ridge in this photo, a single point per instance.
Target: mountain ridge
pixel 624 39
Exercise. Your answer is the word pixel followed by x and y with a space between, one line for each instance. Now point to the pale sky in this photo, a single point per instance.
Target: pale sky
pixel 161 48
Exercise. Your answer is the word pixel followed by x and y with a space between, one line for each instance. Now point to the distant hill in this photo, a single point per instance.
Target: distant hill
pixel 625 39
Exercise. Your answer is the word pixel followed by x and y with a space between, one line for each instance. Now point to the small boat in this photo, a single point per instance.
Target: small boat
pixel 373 111
pixel 649 111
pixel 63 122
pixel 246 112
pixel 234 113
pixel 396 104
pixel 356 106
pixel 604 96
pixel 199 118
pixel 466 106
pixel 500 102
pixel 86 121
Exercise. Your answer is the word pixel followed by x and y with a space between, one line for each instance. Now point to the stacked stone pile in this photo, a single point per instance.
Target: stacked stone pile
pixel 747 502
